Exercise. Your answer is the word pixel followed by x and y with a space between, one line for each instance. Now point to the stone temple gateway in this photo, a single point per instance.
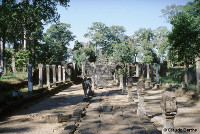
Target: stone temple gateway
pixel 100 73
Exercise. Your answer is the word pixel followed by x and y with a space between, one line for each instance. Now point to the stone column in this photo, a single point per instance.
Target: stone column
pixel 152 74
pixel 129 85
pixel 186 77
pixel 83 69
pixel 75 71
pixel 2 52
pixel 148 77
pixel 137 70
pixel 54 73
pixel 93 82
pixel 48 76
pixel 5 65
pixel 63 68
pixel 121 81
pixel 157 73
pixel 124 84
pixel 13 65
pixel 40 66
pixel 140 70
pixel 115 76
pixel 141 92
pixel 128 68
pixel 198 74
pixel 59 73
pixel 30 80
pixel 169 109
pixel 69 73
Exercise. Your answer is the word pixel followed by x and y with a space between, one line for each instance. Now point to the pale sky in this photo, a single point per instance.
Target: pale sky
pixel 132 14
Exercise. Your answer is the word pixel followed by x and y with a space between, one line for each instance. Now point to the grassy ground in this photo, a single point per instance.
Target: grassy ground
pixel 14 78
pixel 174 77
pixel 11 78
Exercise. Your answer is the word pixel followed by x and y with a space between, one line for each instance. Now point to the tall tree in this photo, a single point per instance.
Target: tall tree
pixel 57 39
pixel 161 41
pixel 104 37
pixel 22 21
pixel 98 33
pixel 184 38
pixel 145 41
pixel 170 12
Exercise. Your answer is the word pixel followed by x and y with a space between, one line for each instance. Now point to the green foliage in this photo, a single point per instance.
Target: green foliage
pixel 78 45
pixel 184 38
pixel 144 39
pixel 104 37
pixel 122 53
pixel 90 54
pixel 82 54
pixel 56 39
pixel 161 41
pixel 9 53
pixel 98 32
pixel 173 78
pixel 170 12
pixel 27 17
pixel 21 58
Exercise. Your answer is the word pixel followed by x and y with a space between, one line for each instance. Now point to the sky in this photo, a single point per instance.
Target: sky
pixel 132 14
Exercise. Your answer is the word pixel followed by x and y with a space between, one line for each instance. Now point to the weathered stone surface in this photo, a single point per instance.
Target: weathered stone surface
pixel 107 108
pixel 30 79
pixel 169 103
pixel 117 116
pixel 70 128
pixel 57 118
pixel 169 107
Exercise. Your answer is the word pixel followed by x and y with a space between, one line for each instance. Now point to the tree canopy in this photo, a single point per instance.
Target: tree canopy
pixel 56 40
pixel 184 38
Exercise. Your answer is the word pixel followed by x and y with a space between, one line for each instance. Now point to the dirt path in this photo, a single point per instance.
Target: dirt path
pixel 32 119
pixel 108 112
pixel 111 113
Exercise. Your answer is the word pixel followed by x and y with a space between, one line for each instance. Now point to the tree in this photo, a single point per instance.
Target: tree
pixel 83 53
pixel 122 53
pixel 78 45
pixel 145 41
pixel 77 52
pixel 98 33
pixel 21 22
pixel 104 37
pixel 117 33
pixel 184 39
pixel 171 11
pixel 161 41
pixel 56 40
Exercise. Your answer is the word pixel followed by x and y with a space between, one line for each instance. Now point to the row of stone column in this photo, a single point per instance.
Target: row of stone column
pixel 149 69
pixel 168 104
pixel 61 70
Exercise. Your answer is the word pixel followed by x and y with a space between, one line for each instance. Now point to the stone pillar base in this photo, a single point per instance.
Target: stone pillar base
pixel 141 111
pixel 129 98
pixel 168 126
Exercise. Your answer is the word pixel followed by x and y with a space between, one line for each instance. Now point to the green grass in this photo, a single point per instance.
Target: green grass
pixel 192 86
pixel 173 78
pixel 14 78
pixel 11 78
pixel 170 80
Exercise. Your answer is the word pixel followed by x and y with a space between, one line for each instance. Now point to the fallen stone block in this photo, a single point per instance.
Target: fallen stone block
pixel 57 118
